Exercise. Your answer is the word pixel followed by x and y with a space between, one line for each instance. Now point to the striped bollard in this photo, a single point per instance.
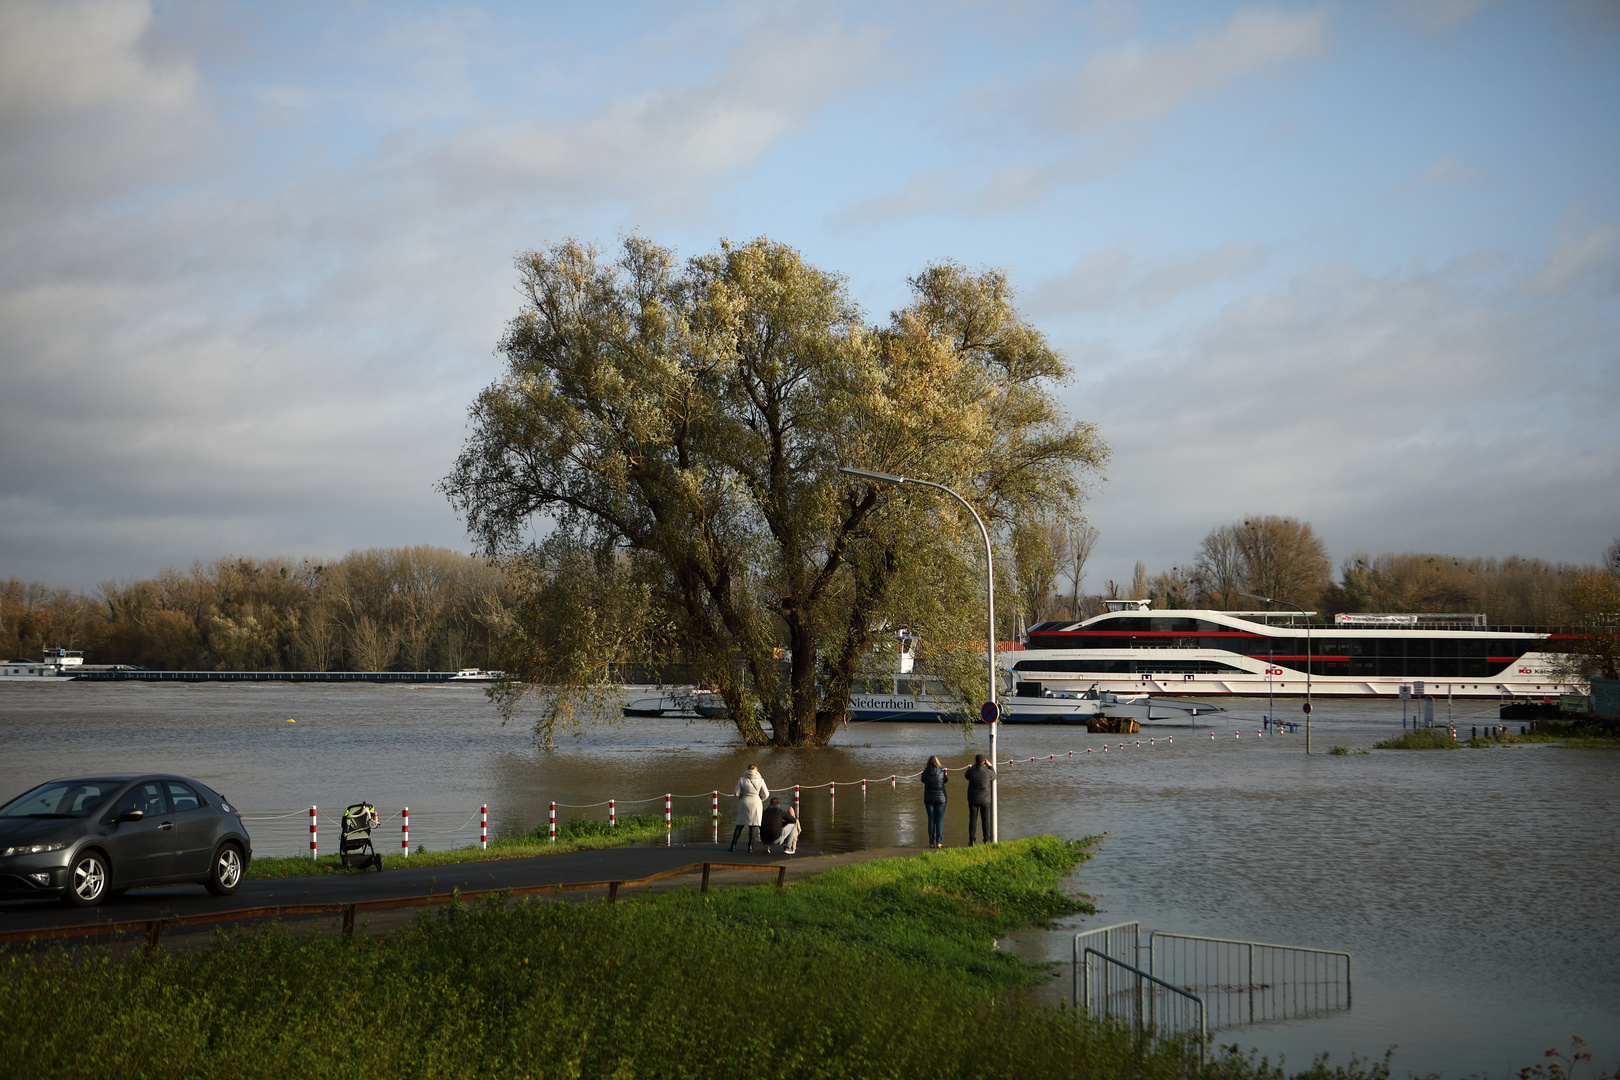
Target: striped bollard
pixel 312 841
pixel 553 822
pixel 405 832
pixel 1169 738
pixel 892 780
pixel 483 826
pixel 795 800
pixel 832 790
pixel 667 819
pixel 863 787
pixel 613 814
pixel 714 810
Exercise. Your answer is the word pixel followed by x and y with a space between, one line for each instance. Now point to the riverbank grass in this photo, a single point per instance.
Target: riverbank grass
pixel 1420 739
pixel 578 834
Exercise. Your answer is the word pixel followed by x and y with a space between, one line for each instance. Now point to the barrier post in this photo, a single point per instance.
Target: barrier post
pixel 613 814
pixel 832 790
pixel 312 840
pixel 863 786
pixel 892 780
pixel 554 821
pixel 483 827
pixel 405 832
pixel 795 800
pixel 716 809
pixel 667 818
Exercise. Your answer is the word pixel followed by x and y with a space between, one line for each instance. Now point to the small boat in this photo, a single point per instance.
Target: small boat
pixel 687 702
pixel 1032 703
pixel 472 674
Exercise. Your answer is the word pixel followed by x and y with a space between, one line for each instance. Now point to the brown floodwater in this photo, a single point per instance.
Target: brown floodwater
pixel 1475 888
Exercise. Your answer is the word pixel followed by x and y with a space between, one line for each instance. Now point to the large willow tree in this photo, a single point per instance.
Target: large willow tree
pixel 676 430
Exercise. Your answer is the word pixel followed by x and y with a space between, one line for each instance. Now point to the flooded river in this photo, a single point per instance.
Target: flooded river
pixel 1475 888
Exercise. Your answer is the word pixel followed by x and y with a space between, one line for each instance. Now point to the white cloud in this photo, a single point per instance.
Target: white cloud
pixel 1114 277
pixel 1442 172
pixel 88 103
pixel 1579 249
pixel 1140 81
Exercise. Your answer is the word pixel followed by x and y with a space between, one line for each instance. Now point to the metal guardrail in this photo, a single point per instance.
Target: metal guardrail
pixel 1253 982
pixel 1122 941
pixel 1109 987
pixel 154 928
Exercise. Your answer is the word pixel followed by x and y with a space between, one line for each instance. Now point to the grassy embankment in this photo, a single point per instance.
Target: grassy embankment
pixel 578 834
pixel 886 969
pixel 1440 739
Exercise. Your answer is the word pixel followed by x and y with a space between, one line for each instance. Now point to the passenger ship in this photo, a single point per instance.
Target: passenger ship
pixel 1131 648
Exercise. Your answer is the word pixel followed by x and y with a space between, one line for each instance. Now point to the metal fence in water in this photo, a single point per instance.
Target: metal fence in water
pixel 1110 987
pixel 1194 985
pixel 1252 982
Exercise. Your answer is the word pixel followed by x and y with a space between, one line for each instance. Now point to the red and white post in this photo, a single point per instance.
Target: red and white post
pixel 312 840
pixel 715 810
pixel 554 822
pixel 668 819
pixel 795 800
pixel 483 826
pixel 863 786
pixel 613 814
pixel 832 789
pixel 405 832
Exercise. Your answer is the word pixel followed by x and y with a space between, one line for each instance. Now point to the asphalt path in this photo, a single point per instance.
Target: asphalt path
pixel 605 864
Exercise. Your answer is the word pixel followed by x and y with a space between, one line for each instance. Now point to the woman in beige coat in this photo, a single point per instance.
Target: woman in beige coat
pixel 751 795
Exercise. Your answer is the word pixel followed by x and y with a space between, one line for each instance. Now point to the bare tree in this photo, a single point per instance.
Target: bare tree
pixel 1283 558
pixel 1039 550
pixel 1611 558
pixel 1139 581
pixel 1082 538
pixel 1218 569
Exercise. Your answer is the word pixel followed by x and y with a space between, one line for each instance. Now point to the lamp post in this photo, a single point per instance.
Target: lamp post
pixel 990 637
pixel 1302 611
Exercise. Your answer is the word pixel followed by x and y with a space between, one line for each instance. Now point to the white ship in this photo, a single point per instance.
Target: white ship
pixel 58 666
pixel 1132 649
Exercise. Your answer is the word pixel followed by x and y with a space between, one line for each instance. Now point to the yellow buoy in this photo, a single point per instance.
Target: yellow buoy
pixel 290 720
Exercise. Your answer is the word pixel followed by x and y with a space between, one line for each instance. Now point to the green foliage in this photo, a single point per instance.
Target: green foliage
pixel 683 426
pixel 577 834
pixel 1338 751
pixel 1420 739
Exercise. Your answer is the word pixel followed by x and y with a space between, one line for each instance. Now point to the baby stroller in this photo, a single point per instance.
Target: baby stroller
pixel 355 847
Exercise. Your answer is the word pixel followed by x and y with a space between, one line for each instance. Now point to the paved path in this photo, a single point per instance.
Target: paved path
pixel 607 864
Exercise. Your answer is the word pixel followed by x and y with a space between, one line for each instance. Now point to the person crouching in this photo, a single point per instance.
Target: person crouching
pixel 778 825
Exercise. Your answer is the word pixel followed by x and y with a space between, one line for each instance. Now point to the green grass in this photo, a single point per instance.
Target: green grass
pixel 1420 739
pixel 578 834
pixel 884 970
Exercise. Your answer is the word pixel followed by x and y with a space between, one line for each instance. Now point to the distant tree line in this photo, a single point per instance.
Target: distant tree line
pixel 403 609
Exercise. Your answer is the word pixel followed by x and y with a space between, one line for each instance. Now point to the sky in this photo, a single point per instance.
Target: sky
pixel 1354 263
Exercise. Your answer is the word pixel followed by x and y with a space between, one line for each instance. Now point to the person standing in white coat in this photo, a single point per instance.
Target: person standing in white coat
pixel 751 795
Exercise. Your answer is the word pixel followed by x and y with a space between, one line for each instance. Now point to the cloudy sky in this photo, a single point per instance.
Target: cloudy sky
pixel 1357 263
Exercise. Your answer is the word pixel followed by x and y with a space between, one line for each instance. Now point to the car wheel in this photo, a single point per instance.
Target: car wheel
pixel 88 879
pixel 226 873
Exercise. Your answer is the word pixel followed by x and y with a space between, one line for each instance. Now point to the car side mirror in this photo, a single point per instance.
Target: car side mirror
pixel 130 815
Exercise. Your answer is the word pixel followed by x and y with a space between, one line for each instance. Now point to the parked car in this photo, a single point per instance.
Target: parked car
pixel 87 839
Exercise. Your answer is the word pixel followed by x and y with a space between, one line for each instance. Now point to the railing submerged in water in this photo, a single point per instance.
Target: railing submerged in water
pixel 1194 985
pixel 1253 982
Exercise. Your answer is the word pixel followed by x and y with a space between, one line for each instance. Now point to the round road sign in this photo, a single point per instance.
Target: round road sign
pixel 990 712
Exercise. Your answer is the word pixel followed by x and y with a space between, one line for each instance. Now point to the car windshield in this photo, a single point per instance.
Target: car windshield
pixel 62 799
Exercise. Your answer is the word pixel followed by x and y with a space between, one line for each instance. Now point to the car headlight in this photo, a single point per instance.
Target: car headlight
pixel 33 849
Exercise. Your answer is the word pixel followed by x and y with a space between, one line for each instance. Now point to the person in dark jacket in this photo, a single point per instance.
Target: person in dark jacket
pixel 934 779
pixel 981 779
pixel 779 826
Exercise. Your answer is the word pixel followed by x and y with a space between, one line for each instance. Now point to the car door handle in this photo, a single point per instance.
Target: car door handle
pixel 167 825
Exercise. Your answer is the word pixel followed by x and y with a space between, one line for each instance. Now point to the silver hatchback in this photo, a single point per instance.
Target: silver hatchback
pixel 87 839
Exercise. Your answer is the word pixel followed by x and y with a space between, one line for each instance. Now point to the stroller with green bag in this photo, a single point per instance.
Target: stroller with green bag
pixel 355 846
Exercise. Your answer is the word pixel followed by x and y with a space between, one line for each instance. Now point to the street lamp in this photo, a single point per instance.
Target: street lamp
pixel 990 637
pixel 1302 611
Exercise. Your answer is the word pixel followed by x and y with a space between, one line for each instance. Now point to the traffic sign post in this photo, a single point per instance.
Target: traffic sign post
pixel 990 712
